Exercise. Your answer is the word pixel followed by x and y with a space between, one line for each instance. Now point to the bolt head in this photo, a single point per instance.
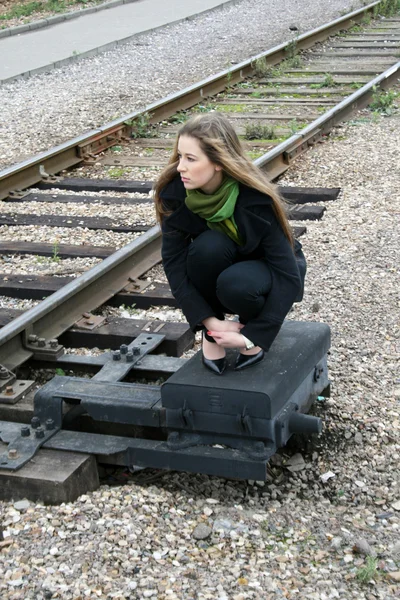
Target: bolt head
pixel 129 356
pixel 35 422
pixel 39 433
pixel 116 355
pixel 25 431
pixel 13 453
pixel 53 343
pixel 3 373
pixel 41 342
pixel 123 348
pixel 50 424
pixel 9 390
pixel 136 351
pixel 32 338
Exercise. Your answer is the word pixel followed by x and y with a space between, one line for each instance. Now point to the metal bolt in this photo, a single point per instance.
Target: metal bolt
pixel 123 348
pixel 49 424
pixel 116 355
pixel 136 351
pixel 86 315
pixel 9 390
pixel 35 422
pixel 25 431
pixel 41 342
pixel 129 356
pixel 32 339
pixel 13 453
pixel 39 433
pixel 53 343
pixel 3 373
pixel 89 322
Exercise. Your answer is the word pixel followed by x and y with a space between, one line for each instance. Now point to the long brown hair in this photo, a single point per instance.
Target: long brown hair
pixel 220 143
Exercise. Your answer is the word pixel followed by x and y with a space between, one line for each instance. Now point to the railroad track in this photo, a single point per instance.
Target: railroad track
pixel 280 109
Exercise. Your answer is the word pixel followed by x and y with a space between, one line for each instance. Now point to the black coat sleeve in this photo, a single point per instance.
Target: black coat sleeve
pixel 175 245
pixel 286 287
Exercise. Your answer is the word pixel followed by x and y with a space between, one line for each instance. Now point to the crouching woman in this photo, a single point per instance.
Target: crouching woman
pixel 227 247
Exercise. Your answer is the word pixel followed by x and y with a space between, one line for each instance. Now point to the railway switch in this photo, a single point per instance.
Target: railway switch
pixel 228 426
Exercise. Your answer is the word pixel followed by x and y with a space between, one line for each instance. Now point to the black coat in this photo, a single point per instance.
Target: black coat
pixel 264 239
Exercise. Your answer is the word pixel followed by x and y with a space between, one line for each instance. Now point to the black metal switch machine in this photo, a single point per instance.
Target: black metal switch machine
pixel 227 426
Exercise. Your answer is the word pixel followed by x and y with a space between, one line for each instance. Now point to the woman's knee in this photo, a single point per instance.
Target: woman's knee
pixel 240 284
pixel 211 247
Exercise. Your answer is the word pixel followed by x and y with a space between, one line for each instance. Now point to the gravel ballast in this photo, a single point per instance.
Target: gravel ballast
pixel 326 523
pixel 63 103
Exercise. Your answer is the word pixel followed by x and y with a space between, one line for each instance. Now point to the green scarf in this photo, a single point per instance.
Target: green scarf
pixel 218 208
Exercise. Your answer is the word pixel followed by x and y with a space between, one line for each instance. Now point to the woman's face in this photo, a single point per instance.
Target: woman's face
pixel 195 168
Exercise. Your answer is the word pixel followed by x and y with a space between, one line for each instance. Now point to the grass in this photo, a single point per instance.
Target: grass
pixel 261 67
pixel 328 81
pixel 235 108
pixel 141 127
pixel 256 131
pixel 253 154
pixel 56 247
pixel 30 8
pixel 116 172
pixel 369 571
pixel 389 8
pixel 382 102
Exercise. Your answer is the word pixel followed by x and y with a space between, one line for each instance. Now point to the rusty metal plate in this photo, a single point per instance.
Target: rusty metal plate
pixel 136 286
pixel 15 391
pixel 89 322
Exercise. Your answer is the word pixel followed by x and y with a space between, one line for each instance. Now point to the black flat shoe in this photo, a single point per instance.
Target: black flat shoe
pixel 243 361
pixel 216 366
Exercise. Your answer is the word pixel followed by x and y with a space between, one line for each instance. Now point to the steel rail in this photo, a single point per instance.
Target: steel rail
pixel 61 310
pixel 74 151
pixel 278 160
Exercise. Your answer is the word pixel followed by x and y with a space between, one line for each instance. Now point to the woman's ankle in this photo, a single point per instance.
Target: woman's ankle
pixel 212 351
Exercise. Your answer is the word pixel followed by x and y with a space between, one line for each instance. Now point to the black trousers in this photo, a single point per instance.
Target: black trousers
pixel 228 281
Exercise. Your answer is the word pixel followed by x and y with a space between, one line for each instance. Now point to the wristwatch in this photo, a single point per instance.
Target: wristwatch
pixel 248 344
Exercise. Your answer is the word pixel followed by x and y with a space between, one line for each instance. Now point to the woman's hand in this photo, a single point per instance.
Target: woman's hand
pixel 214 324
pixel 228 339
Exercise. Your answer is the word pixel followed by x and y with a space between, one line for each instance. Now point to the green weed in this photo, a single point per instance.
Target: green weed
pixel 253 154
pixel 261 67
pixel 382 101
pixel 178 118
pixel 369 571
pixel 141 127
pixel 56 247
pixel 328 81
pixel 388 8
pixel 116 172
pixel 236 108
pixel 60 372
pixel 257 131
pixel 129 309
pixel 294 126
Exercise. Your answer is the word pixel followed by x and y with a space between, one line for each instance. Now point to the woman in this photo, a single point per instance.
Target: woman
pixel 227 246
